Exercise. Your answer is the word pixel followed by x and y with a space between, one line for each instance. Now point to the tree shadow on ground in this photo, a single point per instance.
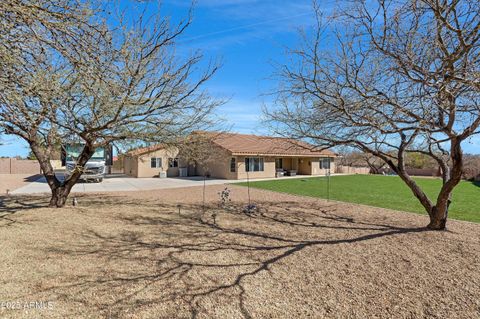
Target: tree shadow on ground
pixel 10 205
pixel 180 259
pixel 32 178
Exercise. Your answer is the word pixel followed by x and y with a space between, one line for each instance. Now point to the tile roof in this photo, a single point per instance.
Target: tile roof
pixel 246 144
pixel 144 150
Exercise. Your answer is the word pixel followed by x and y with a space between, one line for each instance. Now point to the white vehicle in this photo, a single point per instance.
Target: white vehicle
pixel 94 169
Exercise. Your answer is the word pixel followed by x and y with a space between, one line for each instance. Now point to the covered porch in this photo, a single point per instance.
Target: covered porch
pixel 292 166
pixel 296 165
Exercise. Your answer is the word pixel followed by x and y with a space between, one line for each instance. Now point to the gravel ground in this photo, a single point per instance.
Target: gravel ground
pixel 13 181
pixel 141 255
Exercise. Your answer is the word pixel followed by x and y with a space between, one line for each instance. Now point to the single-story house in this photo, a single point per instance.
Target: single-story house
pixel 233 156
pixel 152 161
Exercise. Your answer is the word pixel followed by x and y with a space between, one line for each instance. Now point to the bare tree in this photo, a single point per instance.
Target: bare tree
pixel 396 77
pixel 68 75
pixel 471 167
pixel 361 159
pixel 198 149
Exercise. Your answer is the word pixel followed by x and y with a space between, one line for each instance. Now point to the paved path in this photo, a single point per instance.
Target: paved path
pixel 118 183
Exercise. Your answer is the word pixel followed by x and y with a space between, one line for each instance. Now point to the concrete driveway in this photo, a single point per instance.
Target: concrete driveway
pixel 117 183
pixel 120 182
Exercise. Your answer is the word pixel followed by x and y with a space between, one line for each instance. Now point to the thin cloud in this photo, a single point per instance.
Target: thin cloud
pixel 244 116
pixel 242 21
pixel 246 26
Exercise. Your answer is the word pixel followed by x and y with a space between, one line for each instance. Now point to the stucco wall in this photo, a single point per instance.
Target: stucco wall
pixel 19 166
pixel 352 170
pixel 304 166
pixel 217 165
pixel 144 163
pixel 130 166
pixel 268 168
pixel 316 167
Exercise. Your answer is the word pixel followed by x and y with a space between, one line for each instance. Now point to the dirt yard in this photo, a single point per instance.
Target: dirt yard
pixel 141 255
pixel 13 181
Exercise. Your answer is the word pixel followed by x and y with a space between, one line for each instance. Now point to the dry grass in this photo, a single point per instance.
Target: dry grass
pixel 13 181
pixel 139 255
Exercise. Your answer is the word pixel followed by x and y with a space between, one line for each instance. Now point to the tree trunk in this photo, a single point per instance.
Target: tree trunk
pixel 60 194
pixel 60 190
pixel 438 219
pixel 451 177
pixel 59 197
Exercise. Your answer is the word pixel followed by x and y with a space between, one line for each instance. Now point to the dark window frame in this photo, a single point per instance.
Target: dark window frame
pixel 172 162
pixel 157 161
pixel 233 165
pixel 326 160
pixel 258 164
pixel 279 163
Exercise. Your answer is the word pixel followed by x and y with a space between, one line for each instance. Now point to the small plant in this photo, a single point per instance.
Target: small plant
pixel 250 209
pixel 224 197
pixel 214 216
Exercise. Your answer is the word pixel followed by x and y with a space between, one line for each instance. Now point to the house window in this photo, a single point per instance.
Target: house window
pixel 278 163
pixel 253 164
pixel 325 163
pixel 173 162
pixel 233 165
pixel 156 162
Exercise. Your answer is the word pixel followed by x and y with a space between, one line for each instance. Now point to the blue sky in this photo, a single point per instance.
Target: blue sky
pixel 249 37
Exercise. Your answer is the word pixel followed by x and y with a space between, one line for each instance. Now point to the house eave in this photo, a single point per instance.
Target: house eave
pixel 281 154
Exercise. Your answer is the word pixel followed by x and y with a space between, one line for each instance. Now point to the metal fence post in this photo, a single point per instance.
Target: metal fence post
pixel 328 185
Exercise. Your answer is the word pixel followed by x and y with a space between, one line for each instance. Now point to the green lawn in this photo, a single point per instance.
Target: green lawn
pixel 380 191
